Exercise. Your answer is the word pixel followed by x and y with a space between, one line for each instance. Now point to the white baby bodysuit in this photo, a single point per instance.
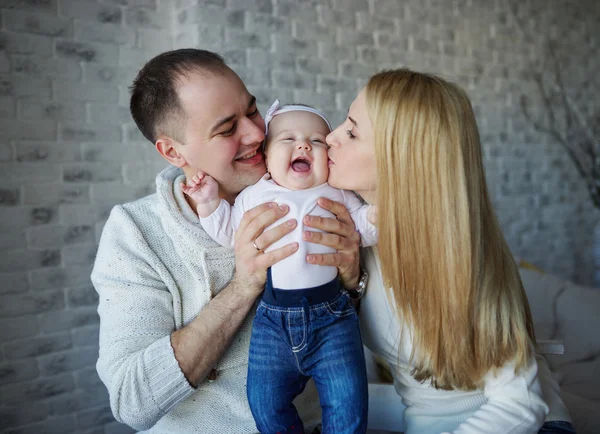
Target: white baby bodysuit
pixel 292 272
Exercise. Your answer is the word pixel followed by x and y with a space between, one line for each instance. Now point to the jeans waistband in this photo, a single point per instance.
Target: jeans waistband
pixel 299 297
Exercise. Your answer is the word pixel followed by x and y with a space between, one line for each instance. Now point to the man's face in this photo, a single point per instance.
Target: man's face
pixel 223 131
pixel 296 150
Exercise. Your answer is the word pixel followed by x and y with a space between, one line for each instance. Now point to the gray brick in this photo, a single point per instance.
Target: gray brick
pixel 314 65
pixel 333 52
pixel 7 109
pixel 312 32
pixel 78 401
pixel 388 8
pixel 38 346
pixel 115 193
pixel 368 23
pixel 23 304
pixel 343 17
pixel 267 23
pixel 13 240
pixel 386 40
pixel 40 389
pixel 242 39
pixel 334 84
pixel 353 69
pixel 69 319
pixel 103 74
pixel 370 55
pixel 87 51
pixel 16 371
pixel 144 17
pixel 29 172
pixel 39 23
pixel 142 172
pixel 211 15
pixel 79 254
pixel 82 296
pixel 292 80
pixel 68 361
pixel 6 151
pixel 259 76
pixel 286 47
pixel 152 41
pixel 83 214
pixel 13 282
pixel 21 86
pixel 116 152
pixel 354 5
pixel 10 196
pixel 18 327
pixel 134 57
pixel 51 425
pixel 236 56
pixel 91 11
pixel 40 67
pixel 353 37
pixel 88 31
pixel 38 130
pixel 262 6
pixel 89 172
pixel 300 11
pixel 20 43
pixel 47 193
pixel 43 215
pixel 46 236
pixel 45 5
pixel 88 133
pixel 134 136
pixel 85 337
pixel 94 417
pixel 108 114
pixel 71 91
pixel 30 108
pixel 54 277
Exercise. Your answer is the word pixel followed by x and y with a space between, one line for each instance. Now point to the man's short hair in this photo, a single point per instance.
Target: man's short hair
pixel 154 103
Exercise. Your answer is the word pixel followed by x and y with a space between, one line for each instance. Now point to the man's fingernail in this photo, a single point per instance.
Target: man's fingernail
pixel 307 219
pixel 291 223
pixel 310 258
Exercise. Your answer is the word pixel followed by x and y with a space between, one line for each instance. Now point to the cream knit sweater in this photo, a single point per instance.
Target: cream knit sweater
pixel 155 270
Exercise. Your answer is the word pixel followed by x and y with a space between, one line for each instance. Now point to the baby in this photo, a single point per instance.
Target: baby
pixel 305 324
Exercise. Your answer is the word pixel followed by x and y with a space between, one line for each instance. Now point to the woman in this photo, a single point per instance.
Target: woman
pixel 445 305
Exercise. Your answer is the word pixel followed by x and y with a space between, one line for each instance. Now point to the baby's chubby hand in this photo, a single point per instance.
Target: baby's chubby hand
pixel 202 188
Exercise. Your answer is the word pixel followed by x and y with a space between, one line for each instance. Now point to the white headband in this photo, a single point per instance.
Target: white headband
pixel 275 110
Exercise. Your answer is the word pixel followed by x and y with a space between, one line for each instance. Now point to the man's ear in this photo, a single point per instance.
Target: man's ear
pixel 168 148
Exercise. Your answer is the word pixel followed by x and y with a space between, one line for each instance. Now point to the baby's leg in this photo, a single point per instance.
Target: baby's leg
pixel 274 379
pixel 338 368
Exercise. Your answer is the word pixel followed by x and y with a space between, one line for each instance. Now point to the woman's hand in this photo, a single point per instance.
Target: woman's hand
pixel 251 262
pixel 340 234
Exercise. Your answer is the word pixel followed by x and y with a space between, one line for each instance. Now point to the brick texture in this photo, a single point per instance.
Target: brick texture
pixel 70 150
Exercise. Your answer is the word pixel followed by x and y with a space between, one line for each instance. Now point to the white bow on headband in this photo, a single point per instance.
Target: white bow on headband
pixel 275 110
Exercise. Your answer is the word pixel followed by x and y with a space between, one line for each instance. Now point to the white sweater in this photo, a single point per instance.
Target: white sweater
pixel 508 403
pixel 155 270
pixel 292 272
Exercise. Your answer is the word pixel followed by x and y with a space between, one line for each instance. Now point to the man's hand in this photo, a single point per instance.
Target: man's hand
pixel 340 234
pixel 251 262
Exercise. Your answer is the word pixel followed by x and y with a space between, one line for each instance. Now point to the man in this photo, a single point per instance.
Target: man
pixel 174 316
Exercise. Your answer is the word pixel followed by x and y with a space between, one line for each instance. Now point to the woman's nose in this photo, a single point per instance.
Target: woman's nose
pixel 331 139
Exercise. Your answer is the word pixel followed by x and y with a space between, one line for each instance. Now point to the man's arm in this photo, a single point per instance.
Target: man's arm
pixel 146 367
pixel 201 343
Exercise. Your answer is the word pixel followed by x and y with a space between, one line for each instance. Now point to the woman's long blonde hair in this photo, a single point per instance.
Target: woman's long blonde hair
pixel 451 273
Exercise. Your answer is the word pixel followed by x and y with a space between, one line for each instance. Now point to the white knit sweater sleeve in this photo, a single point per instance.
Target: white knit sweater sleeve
pixel 514 403
pixel 136 361
pixel 359 212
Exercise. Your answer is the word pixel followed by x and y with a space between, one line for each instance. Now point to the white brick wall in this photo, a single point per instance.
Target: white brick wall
pixel 69 150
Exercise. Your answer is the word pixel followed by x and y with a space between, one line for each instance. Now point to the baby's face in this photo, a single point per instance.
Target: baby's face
pixel 296 150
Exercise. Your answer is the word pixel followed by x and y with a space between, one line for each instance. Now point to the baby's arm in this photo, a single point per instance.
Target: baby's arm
pixel 218 218
pixel 364 216
pixel 204 190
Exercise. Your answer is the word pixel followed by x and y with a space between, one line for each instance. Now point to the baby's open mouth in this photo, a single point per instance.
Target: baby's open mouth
pixel 301 164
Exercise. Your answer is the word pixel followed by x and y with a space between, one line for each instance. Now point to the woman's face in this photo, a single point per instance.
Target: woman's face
pixel 352 152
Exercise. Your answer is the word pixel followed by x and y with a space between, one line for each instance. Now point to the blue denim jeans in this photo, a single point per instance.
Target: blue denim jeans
pixel 557 427
pixel 298 334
